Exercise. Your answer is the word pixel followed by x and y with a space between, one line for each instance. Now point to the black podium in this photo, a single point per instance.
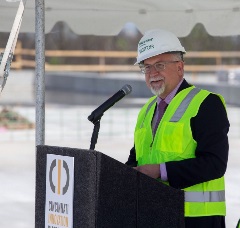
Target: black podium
pixel 109 194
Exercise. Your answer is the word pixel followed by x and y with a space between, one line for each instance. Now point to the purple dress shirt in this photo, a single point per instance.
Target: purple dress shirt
pixel 168 99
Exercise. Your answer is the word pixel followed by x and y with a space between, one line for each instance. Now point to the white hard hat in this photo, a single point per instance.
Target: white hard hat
pixel 157 41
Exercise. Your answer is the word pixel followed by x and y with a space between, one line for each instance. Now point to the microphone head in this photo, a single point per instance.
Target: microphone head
pixel 127 89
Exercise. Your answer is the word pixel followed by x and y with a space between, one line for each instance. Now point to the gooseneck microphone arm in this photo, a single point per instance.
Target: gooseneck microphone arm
pixel 97 114
pixel 95 135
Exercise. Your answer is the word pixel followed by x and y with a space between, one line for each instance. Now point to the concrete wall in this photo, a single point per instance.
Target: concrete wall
pixel 230 92
pixel 93 83
pixel 107 84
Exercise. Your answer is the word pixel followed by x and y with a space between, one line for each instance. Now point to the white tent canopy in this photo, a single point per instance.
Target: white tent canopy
pixel 107 17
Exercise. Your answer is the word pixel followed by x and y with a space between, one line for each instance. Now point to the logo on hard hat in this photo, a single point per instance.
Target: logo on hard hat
pixel 145 41
pixel 144 46
pixel 147 48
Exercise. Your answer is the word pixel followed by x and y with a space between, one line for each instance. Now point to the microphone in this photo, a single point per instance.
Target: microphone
pixel 98 112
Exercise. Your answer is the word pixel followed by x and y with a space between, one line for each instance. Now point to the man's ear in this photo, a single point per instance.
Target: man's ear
pixel 180 67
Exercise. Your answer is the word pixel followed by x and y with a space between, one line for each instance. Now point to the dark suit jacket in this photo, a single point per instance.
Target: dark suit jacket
pixel 209 127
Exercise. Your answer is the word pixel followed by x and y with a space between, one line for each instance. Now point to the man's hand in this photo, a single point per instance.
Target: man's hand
pixel 150 170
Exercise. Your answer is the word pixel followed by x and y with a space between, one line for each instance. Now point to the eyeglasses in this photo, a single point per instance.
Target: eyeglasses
pixel 159 66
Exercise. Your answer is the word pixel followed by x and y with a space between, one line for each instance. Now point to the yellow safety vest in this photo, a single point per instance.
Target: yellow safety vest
pixel 173 141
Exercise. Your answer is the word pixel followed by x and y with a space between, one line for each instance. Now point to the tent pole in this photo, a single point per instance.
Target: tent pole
pixel 40 71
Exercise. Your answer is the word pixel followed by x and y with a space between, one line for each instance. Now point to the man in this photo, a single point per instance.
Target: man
pixel 188 148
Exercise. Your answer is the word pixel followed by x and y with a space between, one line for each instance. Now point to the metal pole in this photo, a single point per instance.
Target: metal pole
pixel 40 70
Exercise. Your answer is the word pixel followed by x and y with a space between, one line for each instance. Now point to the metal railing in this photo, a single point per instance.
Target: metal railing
pixel 71 124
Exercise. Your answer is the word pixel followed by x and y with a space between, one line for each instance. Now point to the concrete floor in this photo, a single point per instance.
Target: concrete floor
pixel 17 175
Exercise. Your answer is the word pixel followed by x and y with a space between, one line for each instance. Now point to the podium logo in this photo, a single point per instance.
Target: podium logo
pixel 57 186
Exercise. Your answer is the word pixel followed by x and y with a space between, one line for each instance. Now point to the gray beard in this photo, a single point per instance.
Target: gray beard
pixel 159 91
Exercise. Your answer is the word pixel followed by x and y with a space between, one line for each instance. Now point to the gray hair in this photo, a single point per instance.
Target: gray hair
pixel 177 55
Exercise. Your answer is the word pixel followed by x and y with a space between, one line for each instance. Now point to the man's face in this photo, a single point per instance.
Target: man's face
pixel 164 81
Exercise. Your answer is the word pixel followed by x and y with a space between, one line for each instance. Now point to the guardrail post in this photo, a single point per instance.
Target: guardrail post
pixel 18 55
pixel 219 60
pixel 102 63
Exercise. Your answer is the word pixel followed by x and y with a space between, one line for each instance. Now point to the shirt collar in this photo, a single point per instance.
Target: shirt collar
pixel 171 95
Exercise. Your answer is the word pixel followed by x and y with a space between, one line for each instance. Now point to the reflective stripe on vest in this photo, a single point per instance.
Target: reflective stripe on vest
pixel 184 105
pixel 214 196
pixel 148 108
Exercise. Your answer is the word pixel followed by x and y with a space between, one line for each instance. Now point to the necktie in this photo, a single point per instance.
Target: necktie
pixel 160 111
